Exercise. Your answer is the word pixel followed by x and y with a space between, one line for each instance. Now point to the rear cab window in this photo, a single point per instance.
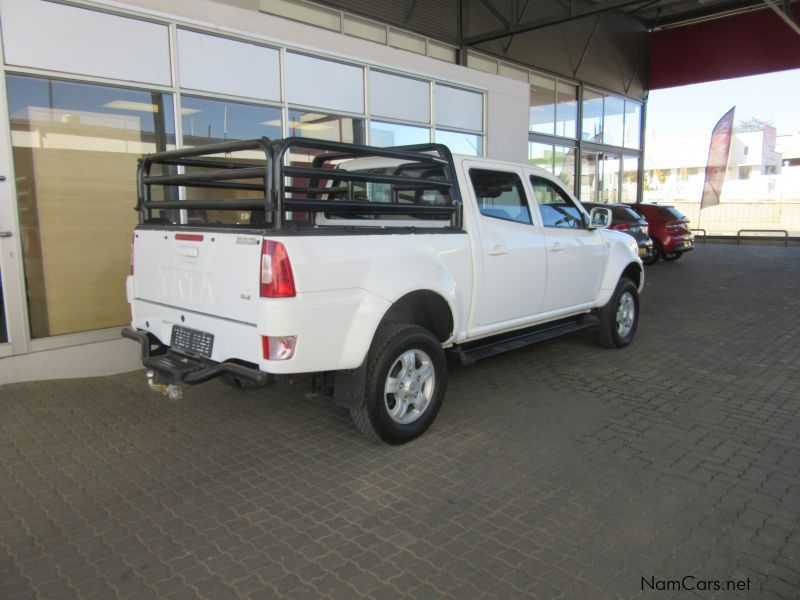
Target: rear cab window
pixel 500 195
pixel 368 192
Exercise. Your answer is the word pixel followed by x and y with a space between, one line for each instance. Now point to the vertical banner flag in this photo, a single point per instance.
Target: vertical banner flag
pixel 717 164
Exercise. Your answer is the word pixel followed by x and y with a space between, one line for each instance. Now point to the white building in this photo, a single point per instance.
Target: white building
pixel 90 85
pixel 675 168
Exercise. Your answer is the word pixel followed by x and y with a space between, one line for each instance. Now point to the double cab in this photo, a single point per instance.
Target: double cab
pixel 372 268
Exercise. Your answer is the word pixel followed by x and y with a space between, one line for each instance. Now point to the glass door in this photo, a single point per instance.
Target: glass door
pixel 590 176
pixel 609 178
pixel 12 317
pixel 3 318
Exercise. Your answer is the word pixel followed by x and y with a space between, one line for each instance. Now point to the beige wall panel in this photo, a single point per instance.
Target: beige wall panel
pixel 85 266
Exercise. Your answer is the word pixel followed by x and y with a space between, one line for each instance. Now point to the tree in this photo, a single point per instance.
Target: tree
pixel 752 124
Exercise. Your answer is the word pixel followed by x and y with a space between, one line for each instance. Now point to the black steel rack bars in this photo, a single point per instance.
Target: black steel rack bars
pixel 433 162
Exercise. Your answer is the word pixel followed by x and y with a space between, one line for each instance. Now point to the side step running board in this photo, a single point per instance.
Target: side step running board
pixel 466 354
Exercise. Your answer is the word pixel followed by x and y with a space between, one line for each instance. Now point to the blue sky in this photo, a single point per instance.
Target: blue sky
pixel 695 109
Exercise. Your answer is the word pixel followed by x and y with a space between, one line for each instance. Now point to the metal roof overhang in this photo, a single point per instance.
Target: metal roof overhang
pixel 682 41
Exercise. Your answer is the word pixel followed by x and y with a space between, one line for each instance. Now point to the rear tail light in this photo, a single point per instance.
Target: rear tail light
pixel 188 237
pixel 620 226
pixel 278 348
pixel 277 280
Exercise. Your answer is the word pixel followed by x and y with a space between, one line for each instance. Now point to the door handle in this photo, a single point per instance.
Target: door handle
pixel 5 234
pixel 497 250
pixel 557 247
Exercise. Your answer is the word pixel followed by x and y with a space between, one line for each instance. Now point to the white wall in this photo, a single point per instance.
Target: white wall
pixel 123 48
pixel 68 39
pixel 506 101
pixel 87 360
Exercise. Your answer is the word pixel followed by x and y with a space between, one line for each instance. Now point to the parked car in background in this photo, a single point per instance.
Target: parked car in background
pixel 669 230
pixel 628 221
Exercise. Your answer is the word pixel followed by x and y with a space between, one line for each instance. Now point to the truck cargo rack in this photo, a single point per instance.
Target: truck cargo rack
pixel 420 172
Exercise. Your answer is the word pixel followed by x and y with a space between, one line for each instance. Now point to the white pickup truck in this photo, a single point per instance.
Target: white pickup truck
pixel 369 267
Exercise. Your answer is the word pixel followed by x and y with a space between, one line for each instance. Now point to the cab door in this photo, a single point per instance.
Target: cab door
pixel 576 255
pixel 512 247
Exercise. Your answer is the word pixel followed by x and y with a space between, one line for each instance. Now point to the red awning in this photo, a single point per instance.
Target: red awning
pixel 748 44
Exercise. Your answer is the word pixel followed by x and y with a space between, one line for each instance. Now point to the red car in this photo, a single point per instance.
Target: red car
pixel 669 230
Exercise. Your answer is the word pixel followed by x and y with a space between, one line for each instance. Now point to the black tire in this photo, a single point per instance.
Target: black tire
pixel 672 256
pixel 611 334
pixel 652 259
pixel 375 418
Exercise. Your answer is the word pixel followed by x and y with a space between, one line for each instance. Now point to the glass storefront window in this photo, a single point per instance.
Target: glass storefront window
pixel 590 176
pixel 209 121
pixel 558 160
pixel 206 121
pixel 395 134
pixel 592 129
pixel 633 124
pixel 335 128
pixel 613 121
pixel 542 109
pixel 630 178
pixel 609 178
pixel 312 124
pixel 564 165
pixel 460 143
pixel 75 147
pixel 540 155
pixel 566 109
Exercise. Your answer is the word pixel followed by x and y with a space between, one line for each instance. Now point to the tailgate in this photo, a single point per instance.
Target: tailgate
pixel 206 272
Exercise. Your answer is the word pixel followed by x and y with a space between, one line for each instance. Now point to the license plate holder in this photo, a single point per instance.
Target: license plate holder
pixel 192 341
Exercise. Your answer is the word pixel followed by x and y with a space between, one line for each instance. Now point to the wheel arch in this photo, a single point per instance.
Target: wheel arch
pixel 425 308
pixel 635 273
pixel 620 265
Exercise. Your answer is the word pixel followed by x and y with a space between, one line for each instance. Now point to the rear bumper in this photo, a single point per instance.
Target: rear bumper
pixel 333 330
pixel 678 243
pixel 173 367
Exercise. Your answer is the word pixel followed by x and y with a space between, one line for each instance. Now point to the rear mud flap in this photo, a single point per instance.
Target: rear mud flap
pixel 348 387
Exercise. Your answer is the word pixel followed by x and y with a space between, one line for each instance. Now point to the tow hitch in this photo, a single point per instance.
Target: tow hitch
pixel 181 370
pixel 171 391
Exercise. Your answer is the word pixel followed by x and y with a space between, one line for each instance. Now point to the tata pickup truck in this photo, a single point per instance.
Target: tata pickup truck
pixel 371 268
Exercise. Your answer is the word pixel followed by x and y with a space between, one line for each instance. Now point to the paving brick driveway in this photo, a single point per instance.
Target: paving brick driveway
pixel 563 470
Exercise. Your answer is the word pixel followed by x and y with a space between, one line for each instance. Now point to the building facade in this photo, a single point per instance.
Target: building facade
pixel 89 86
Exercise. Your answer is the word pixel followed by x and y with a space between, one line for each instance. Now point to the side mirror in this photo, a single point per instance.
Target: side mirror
pixel 599 218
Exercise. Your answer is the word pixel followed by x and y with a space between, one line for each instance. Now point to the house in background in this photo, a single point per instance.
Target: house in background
pixel 675 167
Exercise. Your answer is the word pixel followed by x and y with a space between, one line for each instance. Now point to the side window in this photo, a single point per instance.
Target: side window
pixel 556 208
pixel 500 195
